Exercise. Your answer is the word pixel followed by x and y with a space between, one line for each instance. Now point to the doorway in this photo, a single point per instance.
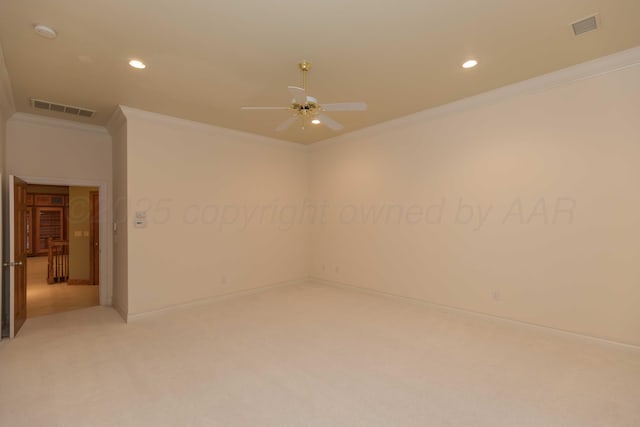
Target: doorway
pixel 16 263
pixel 64 249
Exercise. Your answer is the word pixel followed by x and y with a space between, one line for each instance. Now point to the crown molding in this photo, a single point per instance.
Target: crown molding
pixel 587 70
pixel 34 119
pixel 7 105
pixel 240 136
pixel 116 121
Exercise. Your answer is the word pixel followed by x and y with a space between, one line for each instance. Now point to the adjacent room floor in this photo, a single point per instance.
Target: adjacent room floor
pixel 43 298
pixel 310 355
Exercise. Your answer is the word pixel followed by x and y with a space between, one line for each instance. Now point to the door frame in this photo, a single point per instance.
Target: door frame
pixel 17 256
pixel 106 286
pixel 93 230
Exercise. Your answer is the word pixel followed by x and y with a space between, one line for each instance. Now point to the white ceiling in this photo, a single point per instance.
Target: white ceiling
pixel 207 58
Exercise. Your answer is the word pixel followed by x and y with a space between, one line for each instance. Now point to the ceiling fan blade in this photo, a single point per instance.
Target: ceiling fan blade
pixel 298 94
pixel 286 124
pixel 345 106
pixel 265 108
pixel 329 122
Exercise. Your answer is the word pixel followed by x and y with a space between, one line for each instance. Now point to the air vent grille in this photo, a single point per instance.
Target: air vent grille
pixel 585 25
pixel 62 108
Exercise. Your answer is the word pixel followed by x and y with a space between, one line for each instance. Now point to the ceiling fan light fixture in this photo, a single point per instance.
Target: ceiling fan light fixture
pixel 45 31
pixel 316 121
pixel 470 64
pixel 136 63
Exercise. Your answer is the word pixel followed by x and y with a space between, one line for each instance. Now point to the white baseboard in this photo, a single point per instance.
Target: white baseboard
pixel 317 280
pixel 120 311
pixel 477 314
pixel 136 316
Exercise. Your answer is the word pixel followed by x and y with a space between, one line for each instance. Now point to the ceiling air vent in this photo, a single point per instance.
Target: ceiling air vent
pixel 61 108
pixel 585 25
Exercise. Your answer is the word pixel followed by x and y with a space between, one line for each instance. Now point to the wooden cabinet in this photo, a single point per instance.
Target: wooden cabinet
pixel 47 216
pixel 49 199
pixel 49 224
pixel 29 243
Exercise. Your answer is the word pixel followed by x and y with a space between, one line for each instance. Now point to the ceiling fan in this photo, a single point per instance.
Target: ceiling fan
pixel 307 108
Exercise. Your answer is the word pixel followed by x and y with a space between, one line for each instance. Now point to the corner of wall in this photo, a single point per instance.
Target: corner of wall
pixel 117 127
pixel 116 121
pixel 548 141
pixel 181 172
pixel 7 106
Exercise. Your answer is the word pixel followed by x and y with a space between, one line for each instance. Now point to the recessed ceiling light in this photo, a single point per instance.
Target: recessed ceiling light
pixel 315 121
pixel 470 63
pixel 136 63
pixel 44 31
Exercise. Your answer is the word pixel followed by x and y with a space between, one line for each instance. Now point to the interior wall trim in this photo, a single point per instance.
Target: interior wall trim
pixel 212 130
pixel 477 314
pixel 202 301
pixel 57 123
pixel 7 104
pixel 586 70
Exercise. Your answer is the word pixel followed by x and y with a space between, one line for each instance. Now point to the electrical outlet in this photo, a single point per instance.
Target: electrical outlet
pixel 496 295
pixel 223 280
pixel 337 269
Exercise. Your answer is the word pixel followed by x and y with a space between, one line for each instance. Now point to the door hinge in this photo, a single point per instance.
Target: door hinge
pixel 12 264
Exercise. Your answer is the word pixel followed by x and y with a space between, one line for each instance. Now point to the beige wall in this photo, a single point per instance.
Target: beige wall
pixel 524 208
pixel 63 152
pixel 79 228
pixel 219 207
pixel 38 146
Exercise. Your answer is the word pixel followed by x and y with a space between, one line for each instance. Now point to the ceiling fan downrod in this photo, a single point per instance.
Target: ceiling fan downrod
pixel 304 67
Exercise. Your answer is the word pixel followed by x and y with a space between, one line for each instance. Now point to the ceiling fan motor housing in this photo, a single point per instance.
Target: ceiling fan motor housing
pixel 309 108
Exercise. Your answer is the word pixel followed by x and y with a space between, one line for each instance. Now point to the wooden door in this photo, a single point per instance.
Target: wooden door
pixel 94 238
pixel 18 253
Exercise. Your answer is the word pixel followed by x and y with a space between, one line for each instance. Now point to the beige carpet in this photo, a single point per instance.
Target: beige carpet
pixel 43 299
pixel 310 356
